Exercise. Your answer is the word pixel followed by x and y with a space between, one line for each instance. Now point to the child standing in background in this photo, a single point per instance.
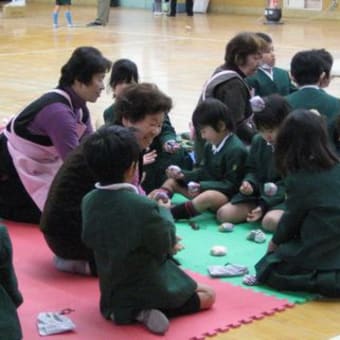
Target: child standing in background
pixel 254 202
pixel 68 14
pixel 157 7
pixel 138 279
pixel 304 253
pixel 217 180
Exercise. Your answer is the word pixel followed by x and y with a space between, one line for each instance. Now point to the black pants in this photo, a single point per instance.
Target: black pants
pixel 15 203
pixel 188 7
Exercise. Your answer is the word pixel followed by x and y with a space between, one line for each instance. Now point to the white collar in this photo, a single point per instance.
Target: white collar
pixel 215 149
pixel 117 186
pixel 267 70
pixel 310 87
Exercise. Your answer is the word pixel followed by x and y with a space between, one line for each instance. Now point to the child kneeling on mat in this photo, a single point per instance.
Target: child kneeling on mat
pixel 133 239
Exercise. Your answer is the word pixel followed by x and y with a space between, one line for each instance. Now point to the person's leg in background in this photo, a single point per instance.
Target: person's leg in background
pixel 173 5
pixel 189 4
pixel 157 7
pixel 103 12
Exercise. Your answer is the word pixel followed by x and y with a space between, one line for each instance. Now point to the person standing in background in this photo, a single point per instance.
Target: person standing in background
pixel 68 14
pixel 103 13
pixel 189 4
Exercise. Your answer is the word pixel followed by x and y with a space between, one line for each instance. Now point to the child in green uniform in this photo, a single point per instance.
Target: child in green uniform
pixel 10 296
pixel 68 14
pixel 304 253
pixel 268 78
pixel 216 181
pixel 308 70
pixel 164 149
pixel 254 202
pixel 138 279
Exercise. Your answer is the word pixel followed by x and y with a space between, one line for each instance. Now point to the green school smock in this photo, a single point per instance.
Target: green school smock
pixel 155 172
pixel 132 238
pixel 308 236
pixel 260 169
pixel 314 98
pixel 265 86
pixel 10 296
pixel 223 170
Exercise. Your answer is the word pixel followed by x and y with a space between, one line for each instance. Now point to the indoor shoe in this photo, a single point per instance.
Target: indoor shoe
pixel 154 320
pixel 72 266
pixel 94 23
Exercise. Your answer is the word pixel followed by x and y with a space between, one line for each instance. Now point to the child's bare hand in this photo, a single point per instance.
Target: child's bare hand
pixel 255 214
pixel 271 247
pixel 161 197
pixel 246 188
pixel 194 189
pixel 163 203
pixel 178 246
pixel 174 172
pixel 149 157
pixel 171 146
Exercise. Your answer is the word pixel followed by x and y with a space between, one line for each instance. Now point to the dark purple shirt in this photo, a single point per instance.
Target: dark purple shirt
pixel 59 123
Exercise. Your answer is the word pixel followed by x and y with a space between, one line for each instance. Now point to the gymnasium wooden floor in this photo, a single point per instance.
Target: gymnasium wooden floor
pixel 178 54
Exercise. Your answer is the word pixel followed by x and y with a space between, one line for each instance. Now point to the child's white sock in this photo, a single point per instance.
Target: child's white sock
pixel 72 266
pixel 154 320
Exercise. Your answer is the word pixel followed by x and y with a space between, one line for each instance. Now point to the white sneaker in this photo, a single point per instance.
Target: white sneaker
pixel 154 320
pixel 157 13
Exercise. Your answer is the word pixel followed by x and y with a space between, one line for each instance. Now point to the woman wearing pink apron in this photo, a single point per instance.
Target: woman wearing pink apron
pixel 38 139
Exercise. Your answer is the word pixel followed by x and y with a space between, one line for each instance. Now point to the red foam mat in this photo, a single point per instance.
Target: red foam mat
pixel 45 289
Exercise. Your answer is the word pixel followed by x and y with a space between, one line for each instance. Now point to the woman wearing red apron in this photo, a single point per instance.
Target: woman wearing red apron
pixel 37 140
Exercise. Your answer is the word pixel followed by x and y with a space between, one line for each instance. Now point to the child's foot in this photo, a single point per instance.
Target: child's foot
pixel 55 25
pixel 72 266
pixel 250 280
pixel 154 320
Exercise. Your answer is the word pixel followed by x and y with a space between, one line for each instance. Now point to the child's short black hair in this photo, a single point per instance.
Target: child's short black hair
pixel 306 67
pixel 327 60
pixel 211 112
pixel 303 144
pixel 123 71
pixel 276 109
pixel 139 100
pixel 109 152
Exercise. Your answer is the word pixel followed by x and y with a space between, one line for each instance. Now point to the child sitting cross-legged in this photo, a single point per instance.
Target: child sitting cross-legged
pixel 138 279
pixel 261 194
pixel 217 180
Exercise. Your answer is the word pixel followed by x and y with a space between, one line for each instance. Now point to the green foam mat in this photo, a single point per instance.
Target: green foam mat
pixel 196 254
